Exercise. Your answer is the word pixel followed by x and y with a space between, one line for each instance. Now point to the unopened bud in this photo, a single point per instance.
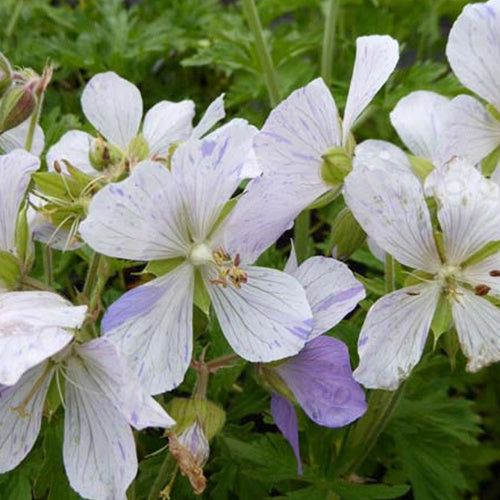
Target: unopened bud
pixel 5 74
pixel 347 234
pixel 102 154
pixel 336 166
pixel 16 106
pixel 194 439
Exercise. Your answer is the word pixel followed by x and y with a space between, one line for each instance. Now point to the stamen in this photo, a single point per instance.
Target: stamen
pixel 495 273
pixel 482 290
pixel 228 271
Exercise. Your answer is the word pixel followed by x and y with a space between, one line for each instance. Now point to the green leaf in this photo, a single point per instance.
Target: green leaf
pixel 9 270
pixel 352 491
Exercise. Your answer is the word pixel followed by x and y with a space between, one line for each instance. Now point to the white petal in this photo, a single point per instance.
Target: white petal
pixel 32 328
pixel 99 449
pixel 484 273
pixel 468 209
pixel 18 433
pixel 331 289
pixel 390 206
pixel 377 252
pixel 251 168
pixel 152 326
pixel 292 264
pixel 113 106
pixel 15 174
pixel 473 49
pixel 393 336
pixel 267 319
pixel 110 374
pixel 472 131
pixel 15 138
pixel 418 119
pixel 165 123
pixel 74 147
pixel 209 171
pixel 140 218
pixel 214 113
pixel 295 136
pixel 478 326
pixel 376 58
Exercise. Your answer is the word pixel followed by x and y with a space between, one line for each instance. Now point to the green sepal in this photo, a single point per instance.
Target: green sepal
pixel 417 278
pixel 494 111
pixel 16 106
pixel 5 74
pixel 56 390
pixel 451 346
pixel 186 411
pixel 23 235
pixel 490 162
pixel 81 179
pixel 270 378
pixel 10 270
pixel 438 238
pixel 442 318
pixel 421 166
pixel 226 210
pixel 54 186
pixel 138 149
pixel 326 198
pixel 201 297
pixel 103 155
pixel 484 252
pixel 347 234
pixel 164 266
pixel 336 166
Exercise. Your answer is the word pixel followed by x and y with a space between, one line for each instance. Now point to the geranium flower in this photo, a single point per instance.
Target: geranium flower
pixel 160 214
pixel 388 201
pixel 472 51
pixel 102 397
pixel 304 149
pixel 319 378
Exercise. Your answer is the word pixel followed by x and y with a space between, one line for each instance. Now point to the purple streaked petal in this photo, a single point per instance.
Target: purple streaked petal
pixel 285 418
pixel 320 377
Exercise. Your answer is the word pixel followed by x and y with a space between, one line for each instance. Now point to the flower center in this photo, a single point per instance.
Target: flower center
pixel 228 270
pixel 448 277
pixel 201 254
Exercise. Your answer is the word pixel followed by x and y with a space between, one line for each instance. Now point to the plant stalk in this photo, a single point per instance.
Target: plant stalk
pixel 332 10
pixel 91 277
pixel 266 62
pixel 33 122
pixel 301 235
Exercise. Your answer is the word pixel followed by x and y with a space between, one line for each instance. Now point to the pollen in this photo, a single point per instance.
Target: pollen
pixel 228 270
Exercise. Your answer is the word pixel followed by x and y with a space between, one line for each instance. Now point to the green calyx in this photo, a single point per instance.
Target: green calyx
pixel 336 166
pixel 5 74
pixel 269 376
pixel 138 149
pixel 10 270
pixel 16 106
pixel 347 234
pixel 103 155
pixel 421 166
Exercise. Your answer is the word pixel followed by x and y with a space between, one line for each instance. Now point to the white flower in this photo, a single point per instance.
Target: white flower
pixel 300 131
pixel 159 214
pixel 389 204
pixel 102 398
pixel 472 51
pixel 15 138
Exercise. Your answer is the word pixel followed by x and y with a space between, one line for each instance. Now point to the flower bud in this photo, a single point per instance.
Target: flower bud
pixel 102 154
pixel 17 105
pixel 194 439
pixel 336 165
pixel 5 74
pixel 347 234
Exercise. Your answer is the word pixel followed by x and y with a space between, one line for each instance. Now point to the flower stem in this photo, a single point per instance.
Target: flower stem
pixel 91 277
pixel 34 120
pixel 266 62
pixel 301 235
pixel 390 273
pixel 34 284
pixel 332 10
pixel 47 266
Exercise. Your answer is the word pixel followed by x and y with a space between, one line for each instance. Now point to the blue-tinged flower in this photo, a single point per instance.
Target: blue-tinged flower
pixel 457 274
pixel 177 214
pixel 102 397
pixel 319 378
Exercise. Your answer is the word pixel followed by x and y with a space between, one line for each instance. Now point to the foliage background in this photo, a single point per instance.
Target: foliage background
pixel 443 439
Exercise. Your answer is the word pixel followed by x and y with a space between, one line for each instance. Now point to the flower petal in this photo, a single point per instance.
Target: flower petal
pixel 393 336
pixel 18 432
pixel 152 326
pixel 295 136
pixel 472 131
pixel 113 106
pixel 208 172
pixel 376 58
pixel 15 138
pixel 285 418
pixel 32 328
pixel 15 171
pixel 320 377
pixel 268 318
pixel 99 449
pixel 468 209
pixel 472 49
pixel 419 121
pixel 165 123
pixel 74 147
pixel 140 218
pixel 214 113
pixel 389 205
pixel 478 327
pixel 331 289
pixel 486 272
pixel 109 374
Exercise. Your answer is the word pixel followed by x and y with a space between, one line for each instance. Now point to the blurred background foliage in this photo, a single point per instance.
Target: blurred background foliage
pixel 443 439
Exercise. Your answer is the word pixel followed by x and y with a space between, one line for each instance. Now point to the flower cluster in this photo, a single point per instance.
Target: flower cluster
pixel 199 205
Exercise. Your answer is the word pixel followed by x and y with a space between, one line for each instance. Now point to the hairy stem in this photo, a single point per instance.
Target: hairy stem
pixel 266 62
